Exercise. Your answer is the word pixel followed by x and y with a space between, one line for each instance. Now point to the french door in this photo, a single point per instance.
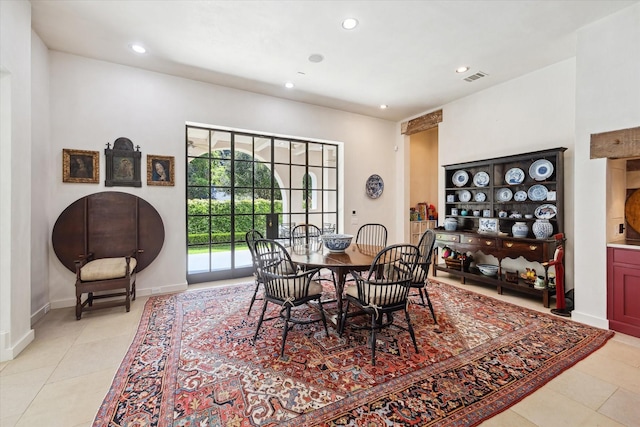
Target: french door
pixel 237 181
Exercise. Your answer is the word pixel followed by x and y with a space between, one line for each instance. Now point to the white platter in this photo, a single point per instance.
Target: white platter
pixel 537 193
pixel 546 211
pixel 504 195
pixel 520 196
pixel 514 176
pixel 464 196
pixel 541 169
pixel 460 178
pixel 480 197
pixel 481 179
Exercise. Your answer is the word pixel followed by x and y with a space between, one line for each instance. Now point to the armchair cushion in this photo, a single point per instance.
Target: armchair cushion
pixel 106 268
pixel 385 294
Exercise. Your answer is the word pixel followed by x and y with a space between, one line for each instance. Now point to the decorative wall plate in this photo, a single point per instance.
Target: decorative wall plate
pixel 514 176
pixel 520 196
pixel 541 169
pixel 546 211
pixel 504 195
pixel 480 197
pixel 460 178
pixel 464 196
pixel 481 179
pixel 537 193
pixel 375 186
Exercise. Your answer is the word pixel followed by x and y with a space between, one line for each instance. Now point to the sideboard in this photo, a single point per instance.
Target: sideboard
pixel 501 247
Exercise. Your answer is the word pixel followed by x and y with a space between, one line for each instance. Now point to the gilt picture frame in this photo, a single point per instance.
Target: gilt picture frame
pixel 123 164
pixel 80 166
pixel 160 170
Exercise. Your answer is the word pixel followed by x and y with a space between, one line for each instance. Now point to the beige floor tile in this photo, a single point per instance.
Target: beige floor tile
pixel 19 389
pixel 621 351
pixel 599 420
pixel 549 408
pixel 87 358
pixel 40 353
pixel 612 371
pixel 583 388
pixel 9 421
pixel 507 418
pixel 623 407
pixel 69 402
pixel 626 339
pixel 3 365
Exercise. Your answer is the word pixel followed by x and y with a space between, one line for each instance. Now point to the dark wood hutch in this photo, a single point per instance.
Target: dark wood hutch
pixel 499 179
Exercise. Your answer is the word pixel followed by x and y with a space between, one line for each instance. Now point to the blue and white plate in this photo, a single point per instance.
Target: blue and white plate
pixel 481 179
pixel 537 192
pixel 375 186
pixel 504 195
pixel 520 196
pixel 480 197
pixel 541 169
pixel 514 176
pixel 460 178
pixel 546 211
pixel 464 196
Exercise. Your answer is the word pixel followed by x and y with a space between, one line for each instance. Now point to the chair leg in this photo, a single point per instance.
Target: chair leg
pixel 264 309
pixel 78 306
pixel 128 299
pixel 133 291
pixel 253 298
pixel 285 330
pixel 433 314
pixel 324 318
pixel 373 339
pixel 343 319
pixel 421 296
pixel 411 332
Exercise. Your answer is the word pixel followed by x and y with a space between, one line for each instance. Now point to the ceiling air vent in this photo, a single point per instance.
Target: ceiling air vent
pixel 475 76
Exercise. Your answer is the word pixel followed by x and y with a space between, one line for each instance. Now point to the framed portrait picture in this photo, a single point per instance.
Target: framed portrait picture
pixel 123 164
pixel 80 166
pixel 160 170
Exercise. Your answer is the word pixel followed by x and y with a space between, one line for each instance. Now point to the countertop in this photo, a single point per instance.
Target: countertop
pixel 625 244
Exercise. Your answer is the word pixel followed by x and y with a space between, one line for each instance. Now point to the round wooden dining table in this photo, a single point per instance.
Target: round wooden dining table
pixel 356 257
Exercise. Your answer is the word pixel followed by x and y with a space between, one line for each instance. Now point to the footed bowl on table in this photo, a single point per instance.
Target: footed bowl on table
pixel 337 242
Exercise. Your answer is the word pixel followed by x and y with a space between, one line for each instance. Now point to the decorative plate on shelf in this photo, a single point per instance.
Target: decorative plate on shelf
pixel 546 211
pixel 464 196
pixel 520 196
pixel 514 176
pixel 480 197
pixel 460 178
pixel 541 169
pixel 537 193
pixel 481 179
pixel 375 186
pixel 504 195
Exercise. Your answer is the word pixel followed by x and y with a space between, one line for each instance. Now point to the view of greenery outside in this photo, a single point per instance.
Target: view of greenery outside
pixel 251 204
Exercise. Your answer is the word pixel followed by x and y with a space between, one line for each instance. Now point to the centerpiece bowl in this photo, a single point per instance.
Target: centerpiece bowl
pixel 488 269
pixel 337 242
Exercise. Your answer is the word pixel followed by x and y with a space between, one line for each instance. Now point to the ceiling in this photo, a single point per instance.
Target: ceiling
pixel 402 53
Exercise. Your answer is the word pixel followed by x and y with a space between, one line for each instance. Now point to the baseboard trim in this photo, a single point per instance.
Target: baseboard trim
pixel 39 314
pixel 8 352
pixel 590 320
pixel 144 292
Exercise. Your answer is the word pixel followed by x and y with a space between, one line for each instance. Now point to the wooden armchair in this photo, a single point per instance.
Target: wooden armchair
pixel 105 239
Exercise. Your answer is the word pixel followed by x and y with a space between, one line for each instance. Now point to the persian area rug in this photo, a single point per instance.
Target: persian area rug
pixel 192 363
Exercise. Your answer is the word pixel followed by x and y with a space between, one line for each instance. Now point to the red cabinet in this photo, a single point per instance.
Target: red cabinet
pixel 623 290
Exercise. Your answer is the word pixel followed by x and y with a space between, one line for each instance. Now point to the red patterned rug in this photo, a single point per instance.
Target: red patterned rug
pixel 192 363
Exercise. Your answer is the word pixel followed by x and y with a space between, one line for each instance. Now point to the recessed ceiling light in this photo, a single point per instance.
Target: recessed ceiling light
pixel 349 23
pixel 383 106
pixel 138 48
pixel 288 85
pixel 316 57
pixel 462 69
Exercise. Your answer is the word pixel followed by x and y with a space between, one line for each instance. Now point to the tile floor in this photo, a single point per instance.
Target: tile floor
pixel 63 376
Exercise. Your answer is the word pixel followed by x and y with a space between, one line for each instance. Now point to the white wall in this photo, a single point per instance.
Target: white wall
pixel 607 98
pixel 15 177
pixel 95 102
pixel 40 194
pixel 530 113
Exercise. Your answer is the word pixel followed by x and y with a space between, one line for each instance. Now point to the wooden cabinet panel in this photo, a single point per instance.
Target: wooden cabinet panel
pixel 623 290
